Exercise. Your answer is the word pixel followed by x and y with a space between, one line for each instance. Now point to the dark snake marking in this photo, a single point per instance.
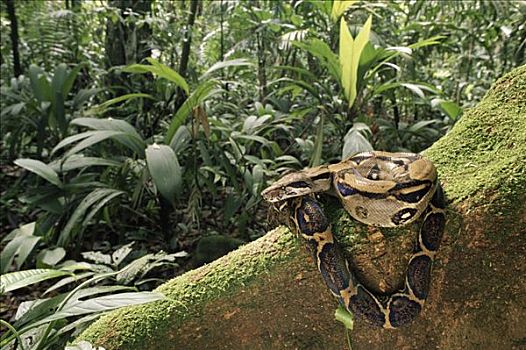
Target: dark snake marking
pixel 419 275
pixel 310 217
pixel 402 310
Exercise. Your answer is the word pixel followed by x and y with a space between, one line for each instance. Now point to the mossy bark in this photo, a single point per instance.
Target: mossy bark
pixel 268 294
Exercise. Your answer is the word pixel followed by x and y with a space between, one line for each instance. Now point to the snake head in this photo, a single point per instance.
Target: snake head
pixel 299 184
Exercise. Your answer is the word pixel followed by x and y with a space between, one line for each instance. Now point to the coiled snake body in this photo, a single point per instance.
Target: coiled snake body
pixel 376 188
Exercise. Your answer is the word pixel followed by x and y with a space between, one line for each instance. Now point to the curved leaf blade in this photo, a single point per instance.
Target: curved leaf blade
pixel 225 64
pixel 102 304
pixel 92 198
pixel 201 93
pixel 161 71
pixel 118 99
pixel 165 170
pixel 40 168
pixel 350 52
pixel 339 7
pixel 20 279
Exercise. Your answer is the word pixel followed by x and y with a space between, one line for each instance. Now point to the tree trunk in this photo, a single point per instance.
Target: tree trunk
pixel 11 14
pixel 125 43
pixel 187 43
pixel 262 67
pixel 268 294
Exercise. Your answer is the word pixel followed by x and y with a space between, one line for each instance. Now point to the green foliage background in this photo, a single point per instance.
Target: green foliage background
pixel 148 126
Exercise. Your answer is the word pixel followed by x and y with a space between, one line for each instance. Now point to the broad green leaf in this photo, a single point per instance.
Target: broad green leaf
pixel 131 139
pixel 70 80
pixel 416 89
pixel 339 7
pixel 302 84
pixel 84 293
pixel 98 136
pixel 77 161
pixel 25 248
pixel 50 257
pixel 59 112
pixel 181 139
pixel 287 159
pixel 83 95
pixel 165 170
pixel 252 123
pixel 344 317
pixel 26 229
pixel 201 93
pixel 39 84
pixel 385 86
pixel 70 265
pixel 67 280
pixel 452 109
pixel 95 209
pixel 90 199
pixel 39 168
pixel 102 304
pixel 255 138
pixel 72 139
pixel 33 310
pixel 170 74
pixel 355 142
pixel 82 345
pixel 47 307
pixel 305 72
pixel 434 40
pixel 119 99
pixel 415 128
pixel 59 78
pixel 350 52
pixel 20 279
pixel 369 54
pixel 161 71
pixel 225 64
pixel 324 53
pixel 134 269
pixel 107 124
pixel 20 246
pixel 231 205
pixel 346 51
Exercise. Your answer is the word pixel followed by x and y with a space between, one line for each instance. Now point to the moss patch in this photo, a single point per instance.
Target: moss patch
pixel 482 158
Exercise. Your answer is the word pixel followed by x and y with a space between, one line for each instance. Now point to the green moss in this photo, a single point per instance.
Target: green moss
pixel 481 159
pixel 135 327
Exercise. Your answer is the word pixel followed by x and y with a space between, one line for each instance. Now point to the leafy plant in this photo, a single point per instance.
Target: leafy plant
pixel 43 323
pixel 44 104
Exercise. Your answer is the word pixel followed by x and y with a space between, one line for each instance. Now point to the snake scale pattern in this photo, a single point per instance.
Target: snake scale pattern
pixel 379 189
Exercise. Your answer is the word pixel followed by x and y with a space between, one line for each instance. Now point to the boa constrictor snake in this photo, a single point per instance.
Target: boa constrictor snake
pixel 376 188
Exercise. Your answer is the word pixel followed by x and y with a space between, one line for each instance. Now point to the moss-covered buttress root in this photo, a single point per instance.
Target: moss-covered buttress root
pixel 268 295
